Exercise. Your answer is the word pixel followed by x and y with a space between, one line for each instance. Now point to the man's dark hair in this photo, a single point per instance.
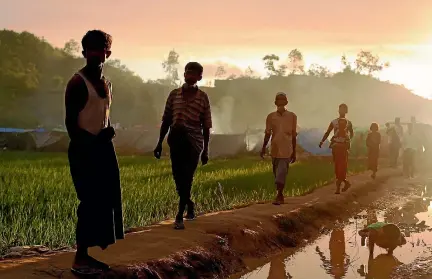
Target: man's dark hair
pixel 194 66
pixel 343 106
pixel 96 39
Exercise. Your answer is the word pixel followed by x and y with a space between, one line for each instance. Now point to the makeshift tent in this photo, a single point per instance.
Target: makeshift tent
pixel 227 145
pixel 309 140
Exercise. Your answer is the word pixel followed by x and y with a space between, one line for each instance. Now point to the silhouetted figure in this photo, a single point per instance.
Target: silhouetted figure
pixel 281 126
pixel 410 145
pixel 394 145
pixel 340 145
pixel 92 158
pixel 187 117
pixel 373 141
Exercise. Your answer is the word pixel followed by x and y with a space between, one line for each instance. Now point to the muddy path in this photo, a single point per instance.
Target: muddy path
pixel 338 252
pixel 221 244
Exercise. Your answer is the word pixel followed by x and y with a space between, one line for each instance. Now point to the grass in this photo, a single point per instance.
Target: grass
pixel 38 200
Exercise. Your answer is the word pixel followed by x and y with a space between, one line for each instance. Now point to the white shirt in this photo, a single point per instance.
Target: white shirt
pixel 410 141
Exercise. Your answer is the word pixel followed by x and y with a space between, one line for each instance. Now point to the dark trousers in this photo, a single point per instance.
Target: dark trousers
pixel 409 162
pixel 184 161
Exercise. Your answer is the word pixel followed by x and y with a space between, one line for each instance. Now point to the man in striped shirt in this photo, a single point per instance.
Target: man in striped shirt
pixel 187 117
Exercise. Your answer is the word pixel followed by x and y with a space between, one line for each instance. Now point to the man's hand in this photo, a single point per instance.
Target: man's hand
pixel 262 153
pixel 293 157
pixel 204 157
pixel 158 151
pixel 106 134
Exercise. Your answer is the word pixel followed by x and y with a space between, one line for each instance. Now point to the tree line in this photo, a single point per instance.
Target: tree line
pixel 33 75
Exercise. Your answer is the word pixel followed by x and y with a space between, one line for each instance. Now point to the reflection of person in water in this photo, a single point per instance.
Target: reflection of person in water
pixel 379 268
pixel 337 266
pixel 277 269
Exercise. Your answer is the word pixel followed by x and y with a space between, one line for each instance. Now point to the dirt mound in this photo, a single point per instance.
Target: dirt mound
pixel 215 245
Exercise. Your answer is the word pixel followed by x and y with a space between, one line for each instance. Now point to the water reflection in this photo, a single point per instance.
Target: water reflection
pixel 379 268
pixel 340 254
pixel 277 269
pixel 337 265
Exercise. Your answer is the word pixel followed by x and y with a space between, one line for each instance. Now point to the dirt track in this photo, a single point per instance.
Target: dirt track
pixel 216 245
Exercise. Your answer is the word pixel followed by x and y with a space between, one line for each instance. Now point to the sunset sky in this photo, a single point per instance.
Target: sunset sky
pixel 238 33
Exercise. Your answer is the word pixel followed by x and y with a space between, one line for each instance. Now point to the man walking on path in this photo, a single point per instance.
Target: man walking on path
pixel 281 126
pixel 92 158
pixel 340 145
pixel 187 117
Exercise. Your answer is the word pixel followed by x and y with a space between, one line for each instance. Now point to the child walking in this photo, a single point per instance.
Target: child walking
pixel 373 141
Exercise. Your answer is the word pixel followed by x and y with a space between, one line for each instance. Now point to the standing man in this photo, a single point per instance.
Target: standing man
pixel 281 126
pixel 187 117
pixel 340 145
pixel 394 145
pixel 92 158
pixel 410 145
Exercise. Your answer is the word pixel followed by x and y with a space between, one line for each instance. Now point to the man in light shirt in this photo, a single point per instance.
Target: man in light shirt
pixel 281 127
pixel 410 145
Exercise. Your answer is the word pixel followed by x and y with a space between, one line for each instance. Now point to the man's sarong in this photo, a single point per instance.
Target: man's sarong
pixel 96 177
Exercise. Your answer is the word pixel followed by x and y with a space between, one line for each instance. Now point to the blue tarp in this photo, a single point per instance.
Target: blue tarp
pixel 16 130
pixel 309 140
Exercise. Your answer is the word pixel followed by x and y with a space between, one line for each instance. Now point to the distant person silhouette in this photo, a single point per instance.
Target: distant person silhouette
pixel 340 144
pixel 394 145
pixel 92 158
pixel 281 127
pixel 187 117
pixel 373 141
pixel 410 144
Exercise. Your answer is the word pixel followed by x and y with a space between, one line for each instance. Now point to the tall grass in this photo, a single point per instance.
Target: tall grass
pixel 38 200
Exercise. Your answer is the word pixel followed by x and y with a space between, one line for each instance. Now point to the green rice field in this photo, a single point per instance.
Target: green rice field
pixel 38 200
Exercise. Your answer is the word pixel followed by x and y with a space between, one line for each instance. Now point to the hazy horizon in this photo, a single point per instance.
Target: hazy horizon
pixel 237 34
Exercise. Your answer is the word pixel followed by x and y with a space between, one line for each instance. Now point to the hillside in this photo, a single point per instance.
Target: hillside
pixel 316 100
pixel 33 75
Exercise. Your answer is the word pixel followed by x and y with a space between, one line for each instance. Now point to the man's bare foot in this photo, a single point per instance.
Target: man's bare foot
pixel 89 262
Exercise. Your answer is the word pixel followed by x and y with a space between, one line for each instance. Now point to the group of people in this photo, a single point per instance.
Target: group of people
pixel 92 158
pixel 411 142
pixel 187 120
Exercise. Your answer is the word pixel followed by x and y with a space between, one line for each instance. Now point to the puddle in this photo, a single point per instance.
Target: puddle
pixel 339 253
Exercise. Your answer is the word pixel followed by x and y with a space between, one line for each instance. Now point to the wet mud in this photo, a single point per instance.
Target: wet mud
pixel 338 253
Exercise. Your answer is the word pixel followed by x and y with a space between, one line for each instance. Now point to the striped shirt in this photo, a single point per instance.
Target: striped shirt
pixel 194 115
